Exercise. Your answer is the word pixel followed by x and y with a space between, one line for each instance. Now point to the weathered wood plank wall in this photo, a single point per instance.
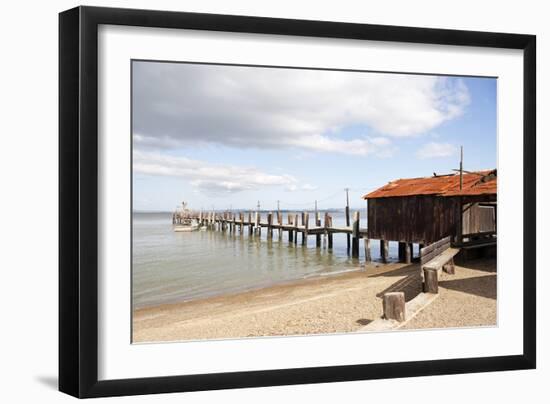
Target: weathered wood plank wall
pixel 421 218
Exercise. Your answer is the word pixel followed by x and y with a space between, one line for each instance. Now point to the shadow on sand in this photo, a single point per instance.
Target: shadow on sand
pixel 484 286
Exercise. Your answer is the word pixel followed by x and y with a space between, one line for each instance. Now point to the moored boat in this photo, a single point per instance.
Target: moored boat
pixel 182 221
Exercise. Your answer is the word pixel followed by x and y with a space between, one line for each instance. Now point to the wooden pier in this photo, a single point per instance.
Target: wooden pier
pixel 297 226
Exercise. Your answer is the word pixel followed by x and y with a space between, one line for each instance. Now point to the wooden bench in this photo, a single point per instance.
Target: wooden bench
pixel 434 258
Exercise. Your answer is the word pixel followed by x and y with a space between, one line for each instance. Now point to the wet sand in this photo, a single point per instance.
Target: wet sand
pixel 333 304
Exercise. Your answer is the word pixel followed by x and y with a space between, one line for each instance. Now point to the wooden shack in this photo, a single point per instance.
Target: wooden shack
pixel 424 210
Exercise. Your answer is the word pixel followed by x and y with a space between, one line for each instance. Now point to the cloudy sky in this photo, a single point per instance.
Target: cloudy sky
pixel 228 136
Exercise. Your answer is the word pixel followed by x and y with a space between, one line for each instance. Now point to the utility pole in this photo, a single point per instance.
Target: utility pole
pixel 316 208
pixel 258 206
pixel 347 216
pixel 461 158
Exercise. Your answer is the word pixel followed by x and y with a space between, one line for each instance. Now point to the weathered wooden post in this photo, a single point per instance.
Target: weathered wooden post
pixel 401 251
pixel 250 225
pixel 259 224
pixel 449 267
pixel 269 225
pixel 296 229
pixel 290 231
pixel 384 250
pixel 280 223
pixel 328 225
pixel 394 306
pixel 408 253
pixel 430 280
pixel 318 224
pixel 355 235
pixel 366 241
pixel 241 226
pixel 305 216
pixel 347 216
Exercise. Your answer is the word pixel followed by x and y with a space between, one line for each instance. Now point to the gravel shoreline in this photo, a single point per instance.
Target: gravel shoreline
pixel 337 304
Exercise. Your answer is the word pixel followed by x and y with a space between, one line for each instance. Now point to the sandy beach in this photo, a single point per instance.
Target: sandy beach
pixel 331 304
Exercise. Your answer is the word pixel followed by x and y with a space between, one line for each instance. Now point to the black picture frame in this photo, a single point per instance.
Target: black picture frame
pixel 78 201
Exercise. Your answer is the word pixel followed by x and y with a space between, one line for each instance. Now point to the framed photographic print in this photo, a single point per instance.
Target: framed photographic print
pixel 250 201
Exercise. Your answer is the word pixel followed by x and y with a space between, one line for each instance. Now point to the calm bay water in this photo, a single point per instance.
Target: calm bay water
pixel 171 267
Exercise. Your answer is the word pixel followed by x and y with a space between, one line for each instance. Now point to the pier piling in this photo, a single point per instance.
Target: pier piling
pixel 290 231
pixel 318 224
pixel 270 225
pixel 328 225
pixel 355 236
pixel 305 223
pixel 408 253
pixel 384 246
pixel 366 241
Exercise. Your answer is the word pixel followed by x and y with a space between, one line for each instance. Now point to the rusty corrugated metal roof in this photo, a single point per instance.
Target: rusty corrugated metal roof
pixel 473 183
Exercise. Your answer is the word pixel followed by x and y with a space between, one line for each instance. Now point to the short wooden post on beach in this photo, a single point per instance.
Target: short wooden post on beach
pixel 366 241
pixel 305 216
pixel 250 225
pixel 355 236
pixel 394 306
pixel 430 280
pixel 384 250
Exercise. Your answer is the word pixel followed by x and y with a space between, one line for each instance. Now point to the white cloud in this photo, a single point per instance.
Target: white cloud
pixel 436 150
pixel 359 147
pixel 303 187
pixel 182 104
pixel 206 177
pixel 309 187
